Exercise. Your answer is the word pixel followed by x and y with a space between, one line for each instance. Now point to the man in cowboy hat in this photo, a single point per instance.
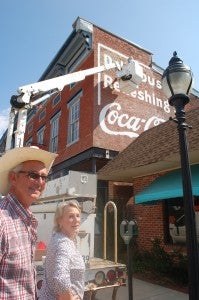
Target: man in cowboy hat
pixel 23 174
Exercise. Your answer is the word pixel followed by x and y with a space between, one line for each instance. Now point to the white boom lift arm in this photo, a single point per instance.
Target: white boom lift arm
pixel 129 76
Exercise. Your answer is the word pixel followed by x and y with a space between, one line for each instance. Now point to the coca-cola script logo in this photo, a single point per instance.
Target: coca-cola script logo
pixel 111 117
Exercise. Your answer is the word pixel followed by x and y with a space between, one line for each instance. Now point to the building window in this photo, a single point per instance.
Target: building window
pixel 31 114
pixel 56 100
pixel 29 142
pixel 74 113
pixel 175 220
pixel 54 131
pixel 42 115
pixel 40 136
pixel 30 128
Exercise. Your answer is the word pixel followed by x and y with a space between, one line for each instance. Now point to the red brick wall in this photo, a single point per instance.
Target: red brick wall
pixel 150 223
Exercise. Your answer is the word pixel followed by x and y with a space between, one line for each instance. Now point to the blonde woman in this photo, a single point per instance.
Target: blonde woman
pixel 64 265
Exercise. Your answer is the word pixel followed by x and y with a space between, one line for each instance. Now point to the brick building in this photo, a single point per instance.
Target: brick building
pixel 151 163
pixel 91 121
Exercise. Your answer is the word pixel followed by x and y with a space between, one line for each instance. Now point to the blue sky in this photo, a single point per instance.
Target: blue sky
pixel 33 31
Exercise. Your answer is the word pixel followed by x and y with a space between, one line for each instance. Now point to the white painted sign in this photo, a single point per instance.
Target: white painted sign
pixel 113 118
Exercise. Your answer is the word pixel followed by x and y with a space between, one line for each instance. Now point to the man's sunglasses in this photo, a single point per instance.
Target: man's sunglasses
pixel 34 176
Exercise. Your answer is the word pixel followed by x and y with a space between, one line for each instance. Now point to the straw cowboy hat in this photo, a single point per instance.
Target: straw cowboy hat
pixel 16 156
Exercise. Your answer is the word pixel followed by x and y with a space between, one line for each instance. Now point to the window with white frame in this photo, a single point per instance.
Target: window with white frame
pixel 42 115
pixel 30 128
pixel 74 113
pixel 29 142
pixel 40 136
pixel 56 100
pixel 54 131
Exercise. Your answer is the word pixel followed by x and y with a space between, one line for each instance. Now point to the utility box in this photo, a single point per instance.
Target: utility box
pixel 76 184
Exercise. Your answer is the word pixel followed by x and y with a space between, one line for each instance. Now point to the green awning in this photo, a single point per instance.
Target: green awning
pixel 168 186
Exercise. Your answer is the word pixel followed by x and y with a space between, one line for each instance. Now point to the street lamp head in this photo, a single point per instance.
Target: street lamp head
pixel 177 80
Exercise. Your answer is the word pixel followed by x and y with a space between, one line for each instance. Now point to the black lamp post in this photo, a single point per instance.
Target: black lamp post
pixel 176 83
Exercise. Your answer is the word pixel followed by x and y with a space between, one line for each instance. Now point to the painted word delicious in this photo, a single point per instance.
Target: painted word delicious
pixel 111 115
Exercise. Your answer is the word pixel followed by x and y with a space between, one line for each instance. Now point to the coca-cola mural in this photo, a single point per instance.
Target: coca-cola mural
pixel 111 117
pixel 128 115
